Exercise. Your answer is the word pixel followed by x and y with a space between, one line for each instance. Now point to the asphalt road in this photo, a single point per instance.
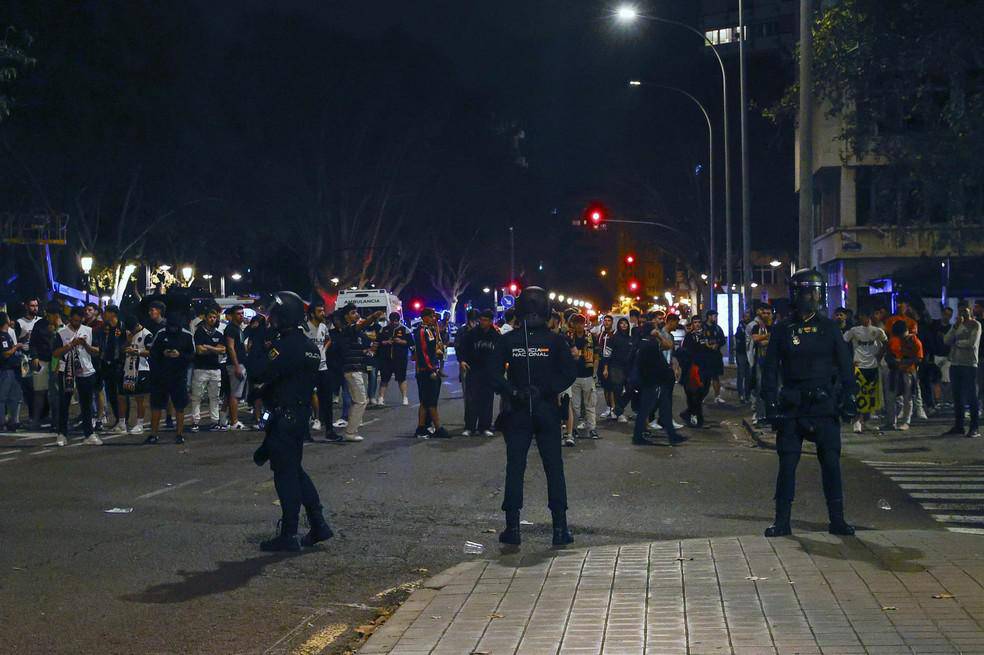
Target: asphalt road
pixel 182 573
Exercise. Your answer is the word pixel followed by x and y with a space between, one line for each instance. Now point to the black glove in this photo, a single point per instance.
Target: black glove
pixel 262 454
pixel 849 407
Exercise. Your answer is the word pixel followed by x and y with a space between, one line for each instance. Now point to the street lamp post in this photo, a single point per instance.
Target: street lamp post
pixel 746 209
pixel 86 262
pixel 710 168
pixel 628 13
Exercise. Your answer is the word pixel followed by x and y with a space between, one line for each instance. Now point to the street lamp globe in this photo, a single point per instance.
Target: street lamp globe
pixel 486 290
pixel 552 295
pixel 86 261
pixel 627 13
pixel 187 272
pixel 236 276
pixel 775 263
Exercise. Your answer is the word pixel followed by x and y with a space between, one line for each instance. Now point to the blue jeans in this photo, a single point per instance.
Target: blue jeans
pixel 10 397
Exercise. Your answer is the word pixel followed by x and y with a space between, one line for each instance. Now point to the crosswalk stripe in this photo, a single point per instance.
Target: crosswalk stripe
pixel 945 487
pixel 948 496
pixel 9 452
pixel 7 459
pixel 959 518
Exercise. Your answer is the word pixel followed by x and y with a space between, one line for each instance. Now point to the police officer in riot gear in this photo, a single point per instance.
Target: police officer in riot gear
pixel 531 367
pixel 818 388
pixel 289 373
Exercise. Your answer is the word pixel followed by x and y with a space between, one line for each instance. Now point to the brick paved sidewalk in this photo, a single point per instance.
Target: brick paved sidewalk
pixel 885 592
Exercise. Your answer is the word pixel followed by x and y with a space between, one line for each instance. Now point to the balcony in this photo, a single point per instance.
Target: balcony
pixel 889 241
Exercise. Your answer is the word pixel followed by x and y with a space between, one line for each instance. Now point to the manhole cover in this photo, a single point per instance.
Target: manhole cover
pixel 911 449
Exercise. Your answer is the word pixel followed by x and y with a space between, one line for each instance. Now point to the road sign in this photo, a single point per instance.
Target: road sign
pixel 508 301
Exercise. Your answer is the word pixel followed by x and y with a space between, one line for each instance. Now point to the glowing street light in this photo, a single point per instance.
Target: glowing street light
pixel 560 298
pixel 552 295
pixel 775 263
pixel 635 83
pixel 703 276
pixel 236 276
pixel 207 276
pixel 754 285
pixel 164 267
pixel 603 272
pixel 86 261
pixel 627 13
pixel 187 273
pixel 334 281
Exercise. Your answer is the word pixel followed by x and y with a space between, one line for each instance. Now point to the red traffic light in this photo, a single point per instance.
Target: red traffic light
pixel 417 305
pixel 633 285
pixel 595 214
pixel 513 288
pixel 630 259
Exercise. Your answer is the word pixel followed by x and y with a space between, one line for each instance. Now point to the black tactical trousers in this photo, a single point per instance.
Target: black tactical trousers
pixel 520 430
pixel 285 443
pixel 478 401
pixel 825 432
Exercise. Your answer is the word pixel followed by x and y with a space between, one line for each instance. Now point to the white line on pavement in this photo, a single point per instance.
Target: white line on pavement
pixel 959 518
pixel 7 459
pixel 46 451
pixel 221 486
pixel 106 438
pixel 967 530
pixel 36 435
pixel 949 496
pixel 939 485
pixel 370 421
pixel 966 506
pixel 936 478
pixel 9 452
pixel 167 489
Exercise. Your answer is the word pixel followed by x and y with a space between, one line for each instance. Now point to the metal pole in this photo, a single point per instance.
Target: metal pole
pixel 806 135
pixel 512 256
pixel 746 198
pixel 710 187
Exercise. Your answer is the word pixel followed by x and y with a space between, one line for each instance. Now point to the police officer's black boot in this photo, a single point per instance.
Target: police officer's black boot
pixel 285 541
pixel 561 533
pixel 320 530
pixel 835 509
pixel 511 534
pixel 780 527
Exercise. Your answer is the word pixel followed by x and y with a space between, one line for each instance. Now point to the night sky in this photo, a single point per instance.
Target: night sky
pixel 557 70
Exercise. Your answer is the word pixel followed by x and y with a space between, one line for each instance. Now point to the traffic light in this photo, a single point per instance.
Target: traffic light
pixel 630 259
pixel 417 305
pixel 633 285
pixel 595 215
pixel 513 288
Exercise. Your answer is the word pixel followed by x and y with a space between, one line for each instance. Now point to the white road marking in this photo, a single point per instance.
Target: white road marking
pixel 967 530
pixel 36 435
pixel 940 485
pixel 221 486
pixel 167 489
pixel 966 506
pixel 106 438
pixel 946 496
pixel 7 459
pixel 369 422
pixel 46 451
pixel 959 518
pixel 10 452
pixel 955 478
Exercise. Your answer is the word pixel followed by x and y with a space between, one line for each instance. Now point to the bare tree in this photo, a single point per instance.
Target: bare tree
pixel 452 268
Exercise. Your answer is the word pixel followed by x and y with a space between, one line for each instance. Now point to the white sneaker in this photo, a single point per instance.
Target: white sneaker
pixel 580 426
pixel 238 425
pixel 119 428
pixel 406 401
pixel 606 413
pixel 61 441
pixel 92 441
pixel 137 429
pixel 720 400
pixel 316 426
pixel 655 426
pixel 431 429
pixel 678 426
pixel 340 423
pixel 921 415
pixel 623 419
pixel 352 437
pixel 488 433
pixel 904 426
pixel 466 433
pixel 381 402
pixel 858 427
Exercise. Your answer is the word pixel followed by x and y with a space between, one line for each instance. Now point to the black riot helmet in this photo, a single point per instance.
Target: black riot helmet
pixel 533 307
pixel 807 292
pixel 286 311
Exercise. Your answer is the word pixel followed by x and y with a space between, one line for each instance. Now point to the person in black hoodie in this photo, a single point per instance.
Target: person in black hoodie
pixel 650 377
pixel 615 367
pixel 170 357
pixel 475 352
pixel 112 343
pixel 695 376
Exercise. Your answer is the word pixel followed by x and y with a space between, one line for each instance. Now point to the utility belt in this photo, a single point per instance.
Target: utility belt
pixel 813 400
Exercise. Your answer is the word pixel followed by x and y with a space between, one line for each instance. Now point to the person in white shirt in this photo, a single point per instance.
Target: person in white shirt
pixel 869 346
pixel 74 348
pixel 136 374
pixel 23 327
pixel 316 330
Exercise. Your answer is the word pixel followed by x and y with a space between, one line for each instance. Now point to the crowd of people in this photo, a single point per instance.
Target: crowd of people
pixel 908 365
pixel 118 365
